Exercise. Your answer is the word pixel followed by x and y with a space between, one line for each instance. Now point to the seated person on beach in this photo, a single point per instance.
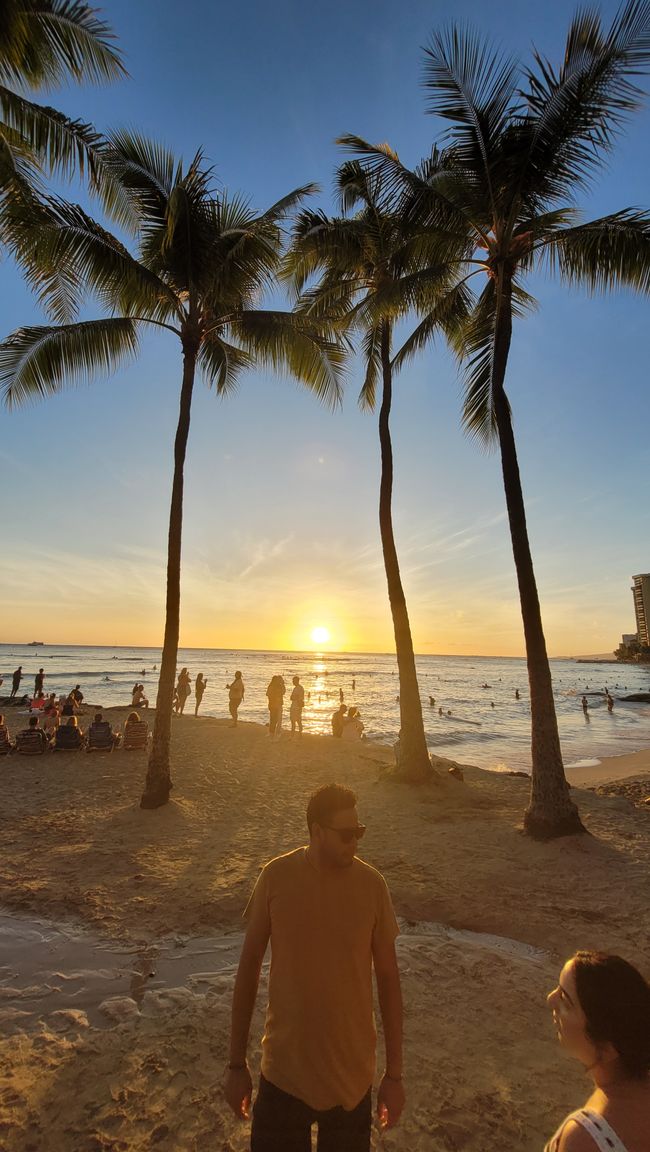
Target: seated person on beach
pixel 32 741
pixel 101 735
pixel 138 698
pixel 136 732
pixel 77 695
pixel 68 708
pixel 69 737
pixel 352 725
pixel 5 742
pixel 338 720
pixel 50 707
pixel 601 1010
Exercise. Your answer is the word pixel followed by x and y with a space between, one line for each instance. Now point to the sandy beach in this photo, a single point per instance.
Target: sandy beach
pixel 487 917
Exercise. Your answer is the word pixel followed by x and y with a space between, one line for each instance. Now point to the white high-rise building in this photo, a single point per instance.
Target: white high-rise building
pixel 641 596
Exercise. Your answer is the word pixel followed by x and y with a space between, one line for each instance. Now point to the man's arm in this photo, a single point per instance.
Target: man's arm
pixel 391 1096
pixel 238 1087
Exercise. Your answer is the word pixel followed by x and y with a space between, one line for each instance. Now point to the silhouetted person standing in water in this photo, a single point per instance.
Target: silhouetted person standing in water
pixel 275 696
pixel 15 681
pixel 38 681
pixel 585 706
pixel 235 697
pixel 297 705
pixel 199 689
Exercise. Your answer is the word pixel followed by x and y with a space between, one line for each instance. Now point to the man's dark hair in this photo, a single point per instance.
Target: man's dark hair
pixel 326 801
pixel 33 721
pixel 615 999
pixel 98 717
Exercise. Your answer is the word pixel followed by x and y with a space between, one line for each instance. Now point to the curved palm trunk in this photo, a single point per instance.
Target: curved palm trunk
pixel 414 764
pixel 551 812
pixel 158 782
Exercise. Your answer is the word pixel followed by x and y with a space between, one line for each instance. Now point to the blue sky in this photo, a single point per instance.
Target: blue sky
pixel 280 529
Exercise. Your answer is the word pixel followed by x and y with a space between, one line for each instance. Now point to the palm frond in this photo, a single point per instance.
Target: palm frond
pixel 58 142
pixel 474 88
pixel 371 349
pixel 144 169
pixel 577 112
pixel 608 253
pixel 287 342
pixel 288 204
pixel 474 345
pixel 69 255
pixel 45 42
pixel 449 316
pixel 37 362
pixel 221 363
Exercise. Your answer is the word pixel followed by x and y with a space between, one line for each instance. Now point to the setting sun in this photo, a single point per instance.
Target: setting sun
pixel 320 635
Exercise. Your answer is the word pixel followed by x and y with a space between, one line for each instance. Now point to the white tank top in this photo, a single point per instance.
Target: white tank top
pixel 602 1134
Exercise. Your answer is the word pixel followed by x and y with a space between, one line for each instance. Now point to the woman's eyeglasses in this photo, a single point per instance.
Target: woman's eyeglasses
pixel 347 835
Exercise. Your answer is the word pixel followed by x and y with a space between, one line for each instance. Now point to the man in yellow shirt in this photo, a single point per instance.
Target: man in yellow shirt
pixel 330 920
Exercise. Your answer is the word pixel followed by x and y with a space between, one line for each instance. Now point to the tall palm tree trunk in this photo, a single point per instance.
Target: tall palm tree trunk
pixel 158 782
pixel 415 764
pixel 551 812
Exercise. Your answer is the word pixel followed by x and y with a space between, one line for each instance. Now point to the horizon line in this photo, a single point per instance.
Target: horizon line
pixel 293 651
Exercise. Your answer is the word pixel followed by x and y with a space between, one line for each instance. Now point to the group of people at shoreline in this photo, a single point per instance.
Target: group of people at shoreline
pixel 349 726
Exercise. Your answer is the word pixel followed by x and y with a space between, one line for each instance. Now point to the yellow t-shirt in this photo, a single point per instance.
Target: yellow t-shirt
pixel 319 1038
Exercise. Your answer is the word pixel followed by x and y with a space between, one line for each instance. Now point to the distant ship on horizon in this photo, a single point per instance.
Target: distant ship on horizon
pixel 36 644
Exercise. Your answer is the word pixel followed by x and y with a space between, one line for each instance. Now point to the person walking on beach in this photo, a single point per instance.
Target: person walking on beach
pixel 235 697
pixel 329 918
pixel 15 681
pixel 585 705
pixel 199 689
pixel 610 702
pixel 275 695
pixel 38 681
pixel 297 705
pixel 601 1010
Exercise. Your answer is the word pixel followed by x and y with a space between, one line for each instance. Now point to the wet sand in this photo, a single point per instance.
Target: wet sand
pixel 124 1034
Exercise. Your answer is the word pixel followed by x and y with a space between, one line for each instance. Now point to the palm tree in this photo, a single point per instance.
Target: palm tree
pixel 203 261
pixel 44 43
pixel 370 267
pixel 513 162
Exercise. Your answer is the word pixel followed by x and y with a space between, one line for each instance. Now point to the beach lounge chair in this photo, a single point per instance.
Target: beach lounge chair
pixel 136 735
pixel 68 739
pixel 31 742
pixel 101 737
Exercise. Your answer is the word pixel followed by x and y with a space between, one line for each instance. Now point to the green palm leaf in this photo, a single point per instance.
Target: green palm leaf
pixel 576 113
pixel 222 363
pixel 44 42
pixel 37 362
pixel 604 254
pixel 288 342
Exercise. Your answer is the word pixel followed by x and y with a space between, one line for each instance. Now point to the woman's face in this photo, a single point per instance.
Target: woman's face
pixel 569 1018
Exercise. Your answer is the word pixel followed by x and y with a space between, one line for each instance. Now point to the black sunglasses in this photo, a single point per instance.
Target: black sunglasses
pixel 347 834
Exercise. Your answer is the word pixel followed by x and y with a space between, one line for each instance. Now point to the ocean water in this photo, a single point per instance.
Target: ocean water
pixel 466 686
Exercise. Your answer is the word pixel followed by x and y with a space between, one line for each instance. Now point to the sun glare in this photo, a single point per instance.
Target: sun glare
pixel 320 635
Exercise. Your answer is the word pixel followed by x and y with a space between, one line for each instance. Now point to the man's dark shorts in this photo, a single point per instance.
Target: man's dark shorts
pixel 282 1123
